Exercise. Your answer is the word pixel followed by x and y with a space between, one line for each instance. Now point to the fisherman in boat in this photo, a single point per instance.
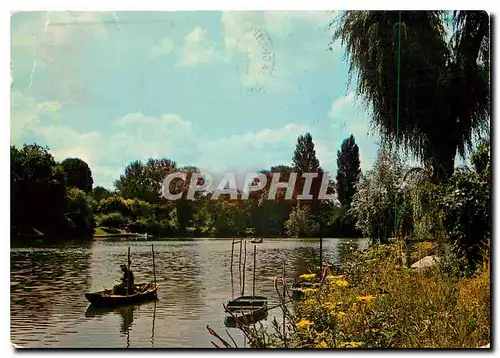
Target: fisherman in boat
pixel 127 281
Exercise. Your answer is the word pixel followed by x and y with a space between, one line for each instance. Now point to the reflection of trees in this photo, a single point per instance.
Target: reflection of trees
pixel 46 283
pixel 126 313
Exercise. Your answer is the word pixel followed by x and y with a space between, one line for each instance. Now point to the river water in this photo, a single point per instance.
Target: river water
pixel 48 282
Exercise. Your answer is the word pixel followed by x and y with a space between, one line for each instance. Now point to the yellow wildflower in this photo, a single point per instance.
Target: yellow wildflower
pixel 366 299
pixel 310 302
pixel 328 305
pixel 303 323
pixel 340 315
pixel 129 202
pixel 309 290
pixel 322 344
pixel 351 344
pixel 341 283
pixel 308 276
pixel 331 277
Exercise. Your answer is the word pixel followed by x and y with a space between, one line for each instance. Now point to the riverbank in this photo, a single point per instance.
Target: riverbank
pixel 377 302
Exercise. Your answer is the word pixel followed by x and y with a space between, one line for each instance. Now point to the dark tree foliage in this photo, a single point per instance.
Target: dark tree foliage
pixel 99 193
pixel 143 180
pixel 348 173
pixel 466 206
pixel 78 174
pixel 305 161
pixel 443 87
pixel 40 199
pixel 184 209
pixel 304 158
pixel 79 212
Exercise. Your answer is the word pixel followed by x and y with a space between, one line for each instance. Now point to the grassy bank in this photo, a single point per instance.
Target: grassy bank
pixel 379 303
pixel 387 305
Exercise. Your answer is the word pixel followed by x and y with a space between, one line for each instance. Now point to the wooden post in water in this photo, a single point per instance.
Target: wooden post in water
pixel 231 268
pixel 244 266
pixel 154 269
pixel 128 273
pixel 153 328
pixel 232 253
pixel 283 281
pixel 254 254
pixel 239 260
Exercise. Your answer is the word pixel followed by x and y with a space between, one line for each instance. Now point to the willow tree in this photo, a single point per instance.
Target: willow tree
pixel 429 92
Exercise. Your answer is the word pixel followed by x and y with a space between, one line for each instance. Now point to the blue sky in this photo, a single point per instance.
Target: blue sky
pixel 218 90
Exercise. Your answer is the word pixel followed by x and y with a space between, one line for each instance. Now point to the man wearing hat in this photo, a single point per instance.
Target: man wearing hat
pixel 127 282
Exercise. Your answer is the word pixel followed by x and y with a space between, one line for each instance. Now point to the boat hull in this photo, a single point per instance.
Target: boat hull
pixel 246 310
pixel 106 299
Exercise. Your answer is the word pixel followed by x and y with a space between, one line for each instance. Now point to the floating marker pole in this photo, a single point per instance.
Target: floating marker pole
pixel 231 269
pixel 128 273
pixel 244 265
pixel 283 281
pixel 154 269
pixel 239 261
pixel 153 329
pixel 232 253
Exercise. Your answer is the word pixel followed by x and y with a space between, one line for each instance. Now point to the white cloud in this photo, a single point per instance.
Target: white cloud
pixel 197 48
pixel 165 121
pixel 139 136
pixel 341 104
pixel 164 47
pixel 260 149
pixel 74 152
pixel 26 113
pixel 35 119
pixel 281 23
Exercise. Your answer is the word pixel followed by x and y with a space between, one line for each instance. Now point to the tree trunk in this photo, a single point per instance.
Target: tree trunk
pixel 442 165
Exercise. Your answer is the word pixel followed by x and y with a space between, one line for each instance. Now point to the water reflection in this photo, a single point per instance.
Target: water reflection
pixel 48 307
pixel 42 280
pixel 126 313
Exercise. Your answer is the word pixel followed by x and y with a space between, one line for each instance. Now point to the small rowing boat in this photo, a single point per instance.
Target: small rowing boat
pixel 245 310
pixel 257 240
pixel 142 292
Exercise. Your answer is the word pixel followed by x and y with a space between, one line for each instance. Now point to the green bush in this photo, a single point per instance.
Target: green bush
pixel 114 220
pixel 466 213
pixel 114 204
pixel 300 223
pixel 79 212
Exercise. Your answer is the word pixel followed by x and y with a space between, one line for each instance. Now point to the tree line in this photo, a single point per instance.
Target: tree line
pixel 59 199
